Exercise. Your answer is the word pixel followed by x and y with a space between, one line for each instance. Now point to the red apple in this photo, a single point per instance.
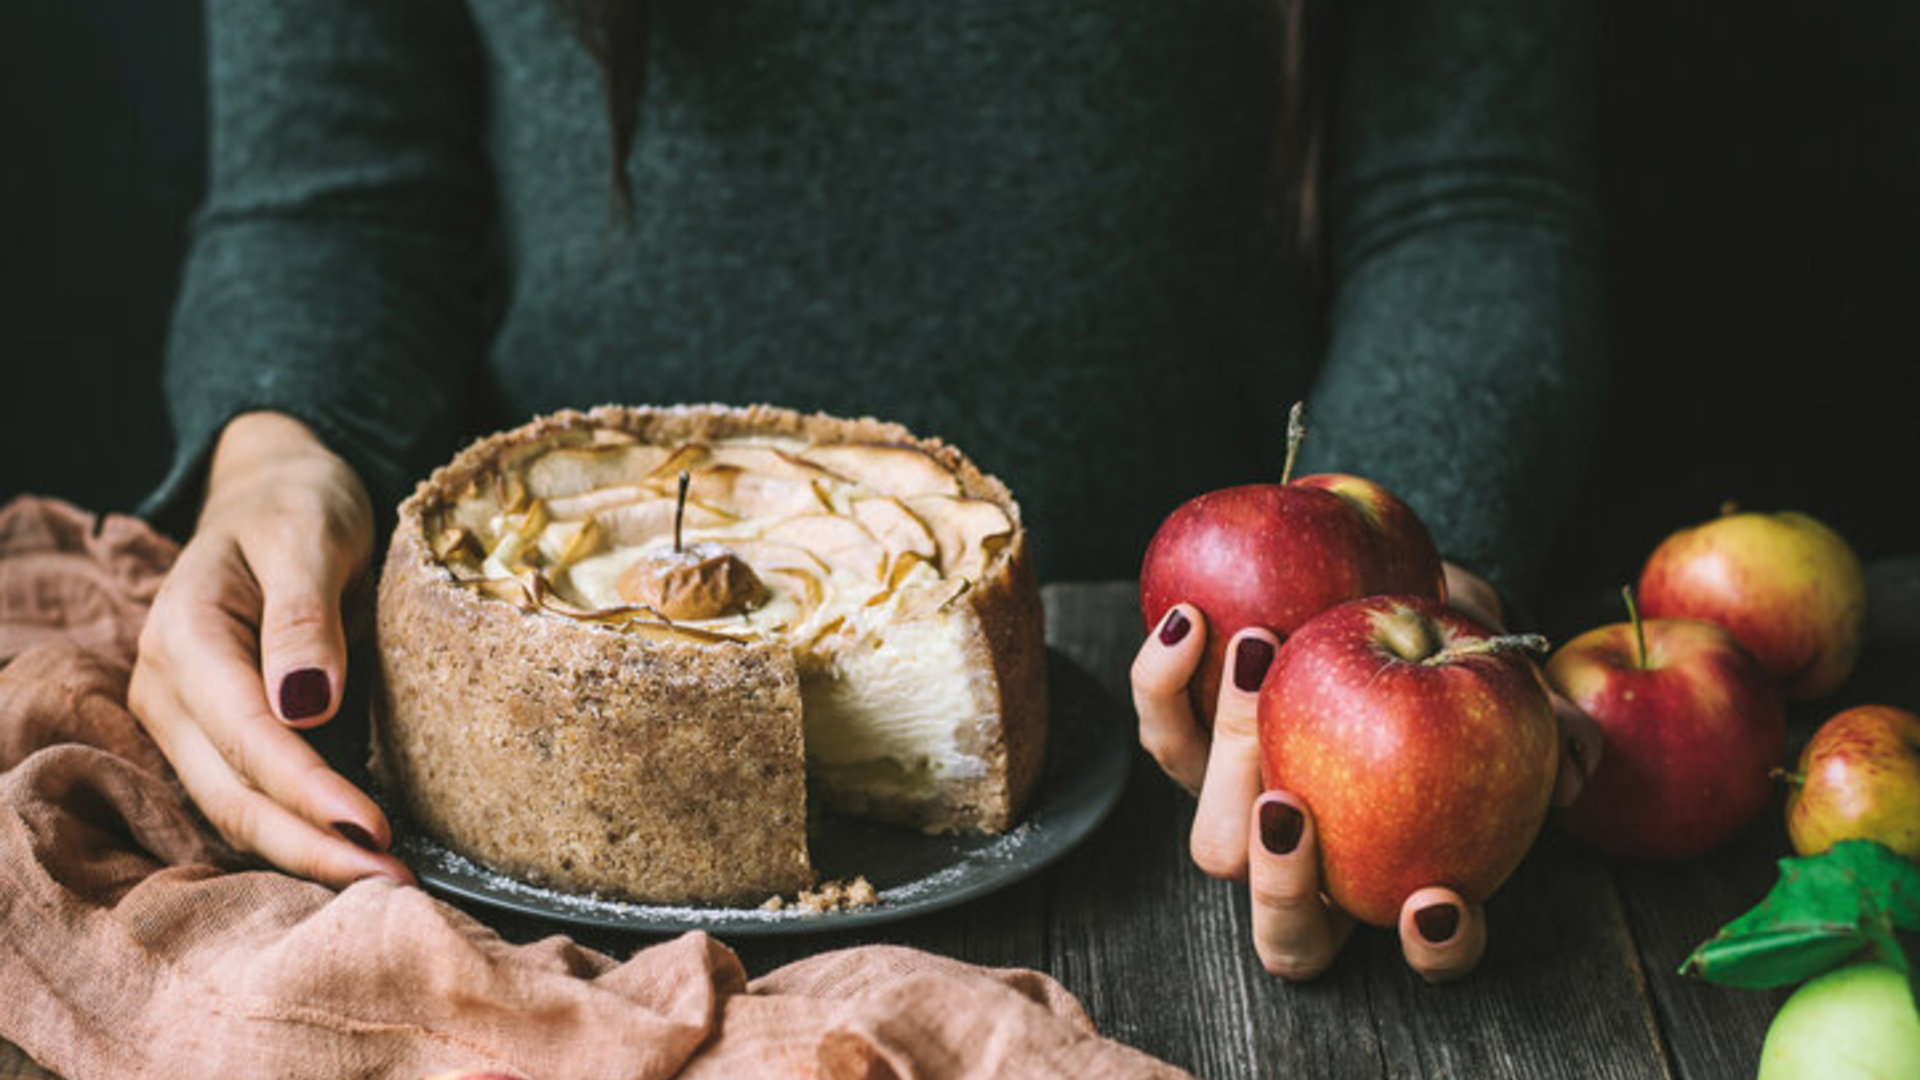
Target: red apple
pixel 1859 779
pixel 1276 555
pixel 1692 727
pixel 1787 586
pixel 1425 747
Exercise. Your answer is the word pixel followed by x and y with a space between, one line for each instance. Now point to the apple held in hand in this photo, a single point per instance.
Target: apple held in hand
pixel 1854 1023
pixel 1787 586
pixel 1425 747
pixel 1859 779
pixel 1276 555
pixel 1693 727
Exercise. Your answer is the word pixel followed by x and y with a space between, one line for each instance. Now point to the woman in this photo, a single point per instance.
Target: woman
pixel 1065 239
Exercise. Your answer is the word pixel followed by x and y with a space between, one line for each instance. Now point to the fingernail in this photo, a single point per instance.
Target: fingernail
pixel 356 836
pixel 1175 627
pixel 1438 922
pixel 304 694
pixel 1280 827
pixel 1250 663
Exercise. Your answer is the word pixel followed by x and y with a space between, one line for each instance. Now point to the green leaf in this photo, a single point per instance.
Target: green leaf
pixel 1848 903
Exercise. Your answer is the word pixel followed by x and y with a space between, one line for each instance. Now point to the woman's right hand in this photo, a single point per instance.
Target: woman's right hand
pixel 245 643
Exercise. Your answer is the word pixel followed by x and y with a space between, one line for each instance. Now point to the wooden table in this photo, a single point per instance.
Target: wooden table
pixel 1578 981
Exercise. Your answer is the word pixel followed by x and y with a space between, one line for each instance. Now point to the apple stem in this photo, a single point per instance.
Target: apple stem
pixel 1639 628
pixel 680 508
pixel 1408 636
pixel 1296 434
pixel 1483 646
pixel 1728 508
pixel 1794 778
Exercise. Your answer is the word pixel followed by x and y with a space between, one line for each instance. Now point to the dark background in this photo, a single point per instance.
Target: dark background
pixel 1761 164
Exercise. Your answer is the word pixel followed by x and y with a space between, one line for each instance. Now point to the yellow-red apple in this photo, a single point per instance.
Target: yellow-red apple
pixel 1858 779
pixel 1787 586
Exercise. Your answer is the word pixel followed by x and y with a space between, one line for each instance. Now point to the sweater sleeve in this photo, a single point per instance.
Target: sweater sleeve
pixel 339 269
pixel 1465 366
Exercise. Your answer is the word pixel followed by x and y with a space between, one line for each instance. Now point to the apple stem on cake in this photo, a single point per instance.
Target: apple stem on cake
pixel 692 584
pixel 680 509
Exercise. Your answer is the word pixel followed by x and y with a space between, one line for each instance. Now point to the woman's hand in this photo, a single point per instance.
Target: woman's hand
pixel 1268 837
pixel 244 644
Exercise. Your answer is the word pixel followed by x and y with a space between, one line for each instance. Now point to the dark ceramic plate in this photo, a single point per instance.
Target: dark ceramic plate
pixel 1086 768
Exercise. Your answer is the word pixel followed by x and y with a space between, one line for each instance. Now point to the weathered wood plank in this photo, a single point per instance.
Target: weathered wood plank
pixel 1559 994
pixel 1151 946
pixel 1712 1032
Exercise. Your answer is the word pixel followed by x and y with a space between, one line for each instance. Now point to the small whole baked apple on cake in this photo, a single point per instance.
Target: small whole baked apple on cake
pixel 617 645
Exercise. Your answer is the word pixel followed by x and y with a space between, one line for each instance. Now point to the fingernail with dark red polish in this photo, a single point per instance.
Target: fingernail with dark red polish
pixel 1175 627
pixel 1280 827
pixel 304 694
pixel 356 835
pixel 1250 662
pixel 1438 923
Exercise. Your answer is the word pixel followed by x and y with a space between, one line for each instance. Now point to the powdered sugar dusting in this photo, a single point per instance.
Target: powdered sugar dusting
pixel 962 867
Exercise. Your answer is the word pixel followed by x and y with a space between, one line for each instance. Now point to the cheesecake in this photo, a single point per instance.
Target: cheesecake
pixel 621 650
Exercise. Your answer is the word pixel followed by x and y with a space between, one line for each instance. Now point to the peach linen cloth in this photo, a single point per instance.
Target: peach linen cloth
pixel 133 943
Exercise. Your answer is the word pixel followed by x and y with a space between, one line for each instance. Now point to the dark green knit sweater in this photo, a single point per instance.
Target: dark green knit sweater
pixel 1038 230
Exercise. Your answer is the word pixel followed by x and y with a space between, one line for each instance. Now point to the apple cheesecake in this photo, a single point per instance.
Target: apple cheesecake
pixel 620 648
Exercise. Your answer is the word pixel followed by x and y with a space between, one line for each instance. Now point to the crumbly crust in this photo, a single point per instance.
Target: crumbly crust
pixel 585 757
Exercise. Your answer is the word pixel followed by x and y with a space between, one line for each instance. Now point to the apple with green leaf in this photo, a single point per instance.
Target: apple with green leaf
pixel 1424 745
pixel 1276 555
pixel 1858 779
pixel 1693 728
pixel 1789 587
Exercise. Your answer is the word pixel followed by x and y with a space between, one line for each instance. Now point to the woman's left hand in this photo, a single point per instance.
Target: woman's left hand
pixel 1268 838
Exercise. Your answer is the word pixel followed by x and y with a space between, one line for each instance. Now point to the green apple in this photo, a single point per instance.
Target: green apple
pixel 1854 1023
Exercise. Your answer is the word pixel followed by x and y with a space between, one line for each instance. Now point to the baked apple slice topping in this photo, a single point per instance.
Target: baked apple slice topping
pixel 726 539
pixel 855 556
